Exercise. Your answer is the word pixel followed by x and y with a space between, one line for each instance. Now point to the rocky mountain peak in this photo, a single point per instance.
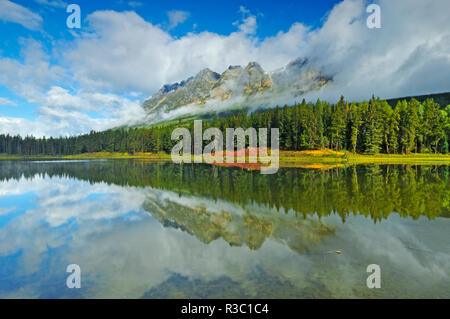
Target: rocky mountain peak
pixel 254 65
pixel 207 75
pixel 248 83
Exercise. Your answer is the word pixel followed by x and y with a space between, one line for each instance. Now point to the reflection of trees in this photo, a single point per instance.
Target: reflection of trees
pixel 373 191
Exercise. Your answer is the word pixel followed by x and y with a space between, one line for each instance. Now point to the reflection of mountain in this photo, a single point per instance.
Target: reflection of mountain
pixel 373 191
pixel 66 207
pixel 238 226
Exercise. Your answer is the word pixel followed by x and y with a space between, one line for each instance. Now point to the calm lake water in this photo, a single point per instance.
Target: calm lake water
pixel 160 230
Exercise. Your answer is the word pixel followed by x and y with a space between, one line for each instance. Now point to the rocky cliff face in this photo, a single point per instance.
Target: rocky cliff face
pixel 193 90
pixel 246 84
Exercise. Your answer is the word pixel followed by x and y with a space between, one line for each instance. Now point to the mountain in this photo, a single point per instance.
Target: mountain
pixel 443 99
pixel 193 90
pixel 237 86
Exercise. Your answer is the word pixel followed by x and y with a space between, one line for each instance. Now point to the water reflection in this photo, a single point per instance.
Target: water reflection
pixel 161 230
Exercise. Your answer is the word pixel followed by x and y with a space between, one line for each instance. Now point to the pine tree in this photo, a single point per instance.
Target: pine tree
pixel 355 122
pixel 433 124
pixel 389 120
pixel 373 131
pixel 338 125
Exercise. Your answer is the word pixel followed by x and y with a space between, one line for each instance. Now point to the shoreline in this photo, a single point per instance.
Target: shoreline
pixel 310 159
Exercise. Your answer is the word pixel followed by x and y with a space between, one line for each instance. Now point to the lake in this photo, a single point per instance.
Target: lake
pixel 142 229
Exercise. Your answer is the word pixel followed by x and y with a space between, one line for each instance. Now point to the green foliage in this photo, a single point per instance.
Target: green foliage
pixel 370 190
pixel 367 127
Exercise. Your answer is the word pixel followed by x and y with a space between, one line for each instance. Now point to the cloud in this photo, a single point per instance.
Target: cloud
pixel 135 4
pixel 177 17
pixel 60 111
pixel 53 3
pixel 244 10
pixel 120 52
pixel 12 12
pixel 32 76
pixel 399 59
pixel 63 114
pixel 6 211
pixel 5 101
pixel 248 24
pixel 123 51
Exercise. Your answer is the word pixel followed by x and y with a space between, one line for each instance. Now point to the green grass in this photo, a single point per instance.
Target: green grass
pixel 331 157
pixel 100 155
pixel 400 159
pixel 287 158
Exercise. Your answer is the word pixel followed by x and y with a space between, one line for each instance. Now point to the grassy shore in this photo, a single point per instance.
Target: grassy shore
pixel 314 159
pixel 332 157
pixel 89 156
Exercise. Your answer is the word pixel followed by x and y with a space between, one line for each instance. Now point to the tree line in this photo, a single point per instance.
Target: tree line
pixel 370 190
pixel 368 127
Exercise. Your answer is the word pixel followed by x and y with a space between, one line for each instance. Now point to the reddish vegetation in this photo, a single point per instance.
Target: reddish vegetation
pixel 241 153
pixel 249 166
pixel 256 151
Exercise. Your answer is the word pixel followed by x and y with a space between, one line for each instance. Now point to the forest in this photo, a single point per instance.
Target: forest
pixel 368 127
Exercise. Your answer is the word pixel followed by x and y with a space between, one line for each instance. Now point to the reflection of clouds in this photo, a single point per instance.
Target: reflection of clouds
pixel 414 246
pixel 412 254
pixel 6 211
pixel 60 199
pixel 132 259
pixel 19 186
pixel 78 222
pixel 112 202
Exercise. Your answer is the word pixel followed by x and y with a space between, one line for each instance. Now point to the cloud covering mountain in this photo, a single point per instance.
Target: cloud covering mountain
pixel 237 87
pixel 121 58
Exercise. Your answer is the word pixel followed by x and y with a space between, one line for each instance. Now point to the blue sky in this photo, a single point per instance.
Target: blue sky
pixel 200 15
pixel 60 81
pixel 214 16
pixel 176 17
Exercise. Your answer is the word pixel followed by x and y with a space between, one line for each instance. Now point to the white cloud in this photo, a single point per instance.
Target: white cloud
pixel 177 17
pixel 120 52
pixel 63 114
pixel 248 24
pixel 60 112
pixel 244 10
pixel 5 101
pixel 124 52
pixel 6 211
pixel 34 75
pixel 390 61
pixel 12 12
pixel 399 59
pixel 135 4
pixel 53 3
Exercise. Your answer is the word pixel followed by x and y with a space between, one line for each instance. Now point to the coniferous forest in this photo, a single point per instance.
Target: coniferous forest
pixel 367 127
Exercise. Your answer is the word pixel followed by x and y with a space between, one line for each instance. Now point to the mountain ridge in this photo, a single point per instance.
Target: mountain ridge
pixel 237 84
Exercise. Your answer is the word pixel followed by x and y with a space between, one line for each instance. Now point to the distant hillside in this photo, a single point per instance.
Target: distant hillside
pixel 443 99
